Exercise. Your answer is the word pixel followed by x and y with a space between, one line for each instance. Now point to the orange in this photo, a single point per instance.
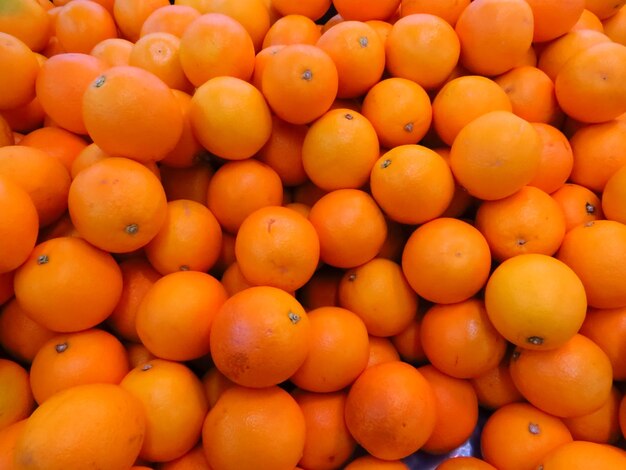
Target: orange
pixel 18 87
pixel 195 459
pixel 238 188
pixel 530 58
pixel 8 439
pixel 378 292
pixel 588 86
pixel 518 436
pixel 28 21
pixel 68 285
pixel 407 121
pixel 338 353
pixel 446 260
pixel 595 252
pixel 60 85
pixel 367 462
pixel 6 287
pixel 138 276
pixel 173 401
pixel 230 118
pixel 604 327
pixel 350 226
pixel 358 53
pixel 588 21
pixel 130 15
pixel 138 354
pixel 172 19
pixel 261 60
pixel 175 316
pixel 322 289
pixel 408 343
pixel 613 196
pixel 591 79
pixel 6 133
pixel 367 10
pixel 412 184
pixel 88 356
pixel 463 99
pixel 25 118
pixel 381 350
pixel 553 19
pixel 233 280
pixel 622 415
pixel 215 45
pixel 187 151
pixel 464 463
pixel 328 443
pixel 494 35
pixel 132 113
pixel 227 253
pixel 260 350
pixel 572 380
pixel 546 312
pixel 42 176
pixel 410 45
pixel 189 239
pixel 114 51
pixel 556 53
pixel 58 142
pixel 495 388
pixel 17 400
pixel 253 15
pixel 390 410
pixel 85 158
pixel 382 28
pixel 604 9
pixel 531 92
pixel 556 161
pixel 456 407
pixel 20 336
pixel 313 9
pixel 101 423
pixel 300 83
pixel 53 48
pixel 292 29
pixel 459 340
pixel 449 10
pixel 81 24
pixel 19 227
pixel 578 454
pixel 579 204
pixel 529 221
pixel 615 26
pixel 214 383
pixel 268 423
pixel 461 201
pixel 339 150
pixel 159 53
pixel 61 228
pixel 191 183
pixel 283 151
pixel 602 425
pixel 276 246
pixel 123 211
pixel 509 156
pixel 397 235
pixel 596 153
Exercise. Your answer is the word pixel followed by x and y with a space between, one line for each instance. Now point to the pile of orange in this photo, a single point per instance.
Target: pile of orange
pixel 278 234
